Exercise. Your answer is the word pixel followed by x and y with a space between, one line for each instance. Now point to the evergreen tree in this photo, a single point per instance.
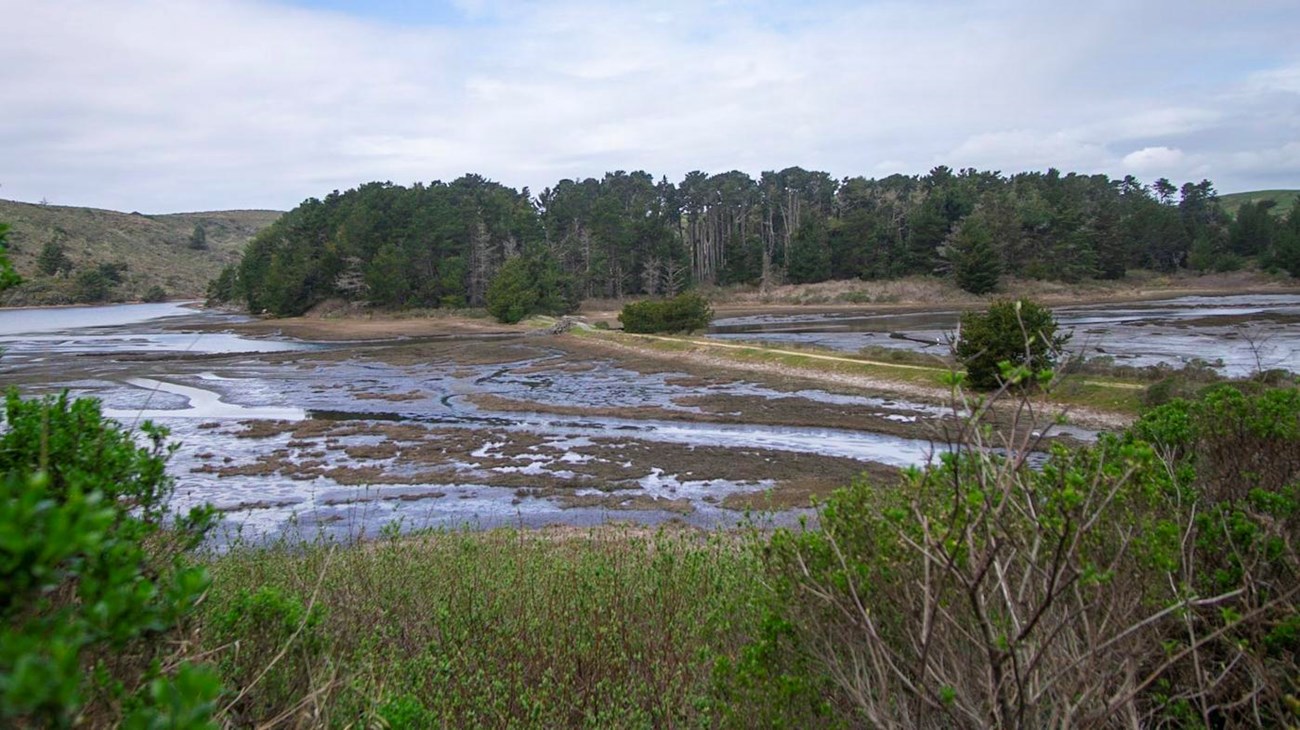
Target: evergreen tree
pixel 1254 229
pixel 1286 245
pixel 387 277
pixel 530 284
pixel 973 257
pixel 810 254
pixel 52 260
pixel 511 296
pixel 224 288
pixel 199 238
pixel 8 277
pixel 442 244
pixel 1109 244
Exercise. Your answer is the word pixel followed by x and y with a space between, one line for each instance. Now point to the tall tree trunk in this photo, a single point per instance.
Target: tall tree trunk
pixel 480 262
pixel 769 246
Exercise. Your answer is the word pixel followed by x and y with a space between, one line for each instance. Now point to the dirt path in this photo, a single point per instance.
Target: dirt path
pixel 777 351
pixel 702 356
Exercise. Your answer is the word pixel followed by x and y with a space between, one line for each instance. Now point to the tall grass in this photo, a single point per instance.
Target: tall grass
pixel 616 627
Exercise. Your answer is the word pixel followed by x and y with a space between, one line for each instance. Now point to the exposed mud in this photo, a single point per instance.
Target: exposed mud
pixel 790 410
pixel 445 422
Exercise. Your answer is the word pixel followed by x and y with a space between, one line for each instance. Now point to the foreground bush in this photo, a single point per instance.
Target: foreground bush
pixel 613 628
pixel 92 581
pixel 683 313
pixel 1151 580
pixel 1015 333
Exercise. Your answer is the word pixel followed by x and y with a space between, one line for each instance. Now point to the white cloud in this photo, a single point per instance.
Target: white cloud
pixel 1157 121
pixel 186 104
pixel 1283 159
pixel 1064 150
pixel 1286 80
pixel 1149 159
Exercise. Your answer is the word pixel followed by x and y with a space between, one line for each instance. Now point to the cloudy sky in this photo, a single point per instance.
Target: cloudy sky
pixel 175 105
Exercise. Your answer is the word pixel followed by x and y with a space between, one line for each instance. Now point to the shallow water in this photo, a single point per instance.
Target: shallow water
pixel 63 319
pixel 1237 335
pixel 281 503
pixel 40 334
pixel 146 363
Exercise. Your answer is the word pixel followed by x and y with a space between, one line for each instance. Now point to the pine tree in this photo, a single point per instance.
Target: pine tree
pixel 8 277
pixel 199 238
pixel 52 260
pixel 974 259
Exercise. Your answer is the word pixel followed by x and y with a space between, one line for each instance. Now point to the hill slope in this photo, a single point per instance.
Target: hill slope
pixel 1284 198
pixel 155 248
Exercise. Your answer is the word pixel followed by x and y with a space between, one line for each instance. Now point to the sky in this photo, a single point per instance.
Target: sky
pixel 181 105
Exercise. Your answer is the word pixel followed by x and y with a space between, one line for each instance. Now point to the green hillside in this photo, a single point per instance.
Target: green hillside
pixel 156 249
pixel 1284 198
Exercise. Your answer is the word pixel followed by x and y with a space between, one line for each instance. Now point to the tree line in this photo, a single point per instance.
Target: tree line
pixel 628 234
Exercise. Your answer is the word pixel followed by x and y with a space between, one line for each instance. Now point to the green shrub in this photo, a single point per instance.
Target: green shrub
pixel 949 577
pixel 1012 342
pixel 1169 389
pixel 91 286
pixel 8 277
pixel 260 625
pixel 1152 579
pixel 154 294
pixel 1237 441
pixel 682 313
pixel 93 574
pixel 406 713
pixel 1235 452
pixel 618 628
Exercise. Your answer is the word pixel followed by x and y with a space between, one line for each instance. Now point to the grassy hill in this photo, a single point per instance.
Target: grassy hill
pixel 1285 199
pixel 155 248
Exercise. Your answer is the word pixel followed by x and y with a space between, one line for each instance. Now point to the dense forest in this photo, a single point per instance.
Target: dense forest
pixel 441 244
